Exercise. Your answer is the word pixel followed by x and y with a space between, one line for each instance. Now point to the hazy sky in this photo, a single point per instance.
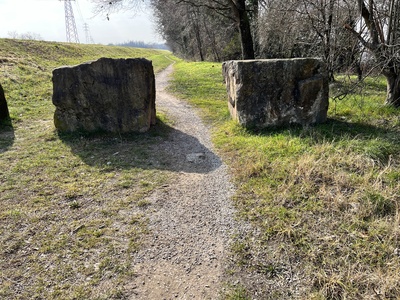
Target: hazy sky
pixel 47 19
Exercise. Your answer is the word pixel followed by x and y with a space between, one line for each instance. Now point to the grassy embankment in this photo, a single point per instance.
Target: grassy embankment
pixel 71 207
pixel 324 200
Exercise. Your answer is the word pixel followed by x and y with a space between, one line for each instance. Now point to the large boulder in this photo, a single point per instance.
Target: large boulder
pixel 4 114
pixel 111 95
pixel 277 92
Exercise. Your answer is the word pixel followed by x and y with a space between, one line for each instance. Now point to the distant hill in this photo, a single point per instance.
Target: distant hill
pixel 141 44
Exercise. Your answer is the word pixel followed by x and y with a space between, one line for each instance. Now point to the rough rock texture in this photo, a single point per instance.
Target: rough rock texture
pixel 277 92
pixel 4 114
pixel 112 95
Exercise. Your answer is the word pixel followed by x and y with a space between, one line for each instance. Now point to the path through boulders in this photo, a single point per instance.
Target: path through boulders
pixel 192 218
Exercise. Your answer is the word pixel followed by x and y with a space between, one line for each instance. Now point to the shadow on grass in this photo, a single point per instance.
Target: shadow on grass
pixel 162 148
pixel 7 136
pixel 335 129
pixel 331 130
pixel 378 142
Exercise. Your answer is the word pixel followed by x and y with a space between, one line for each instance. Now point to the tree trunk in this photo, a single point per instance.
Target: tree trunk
pixel 254 26
pixel 393 89
pixel 242 19
pixel 199 42
pixel 246 39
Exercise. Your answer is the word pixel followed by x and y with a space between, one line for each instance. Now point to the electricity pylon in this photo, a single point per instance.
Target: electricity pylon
pixel 89 39
pixel 70 25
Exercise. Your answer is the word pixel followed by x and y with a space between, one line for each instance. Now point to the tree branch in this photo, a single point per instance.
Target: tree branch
pixel 358 35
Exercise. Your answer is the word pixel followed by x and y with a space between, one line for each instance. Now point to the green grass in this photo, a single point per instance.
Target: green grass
pixel 72 206
pixel 324 200
pixel 201 82
pixel 363 102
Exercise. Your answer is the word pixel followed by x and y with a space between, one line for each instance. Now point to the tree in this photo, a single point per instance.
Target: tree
pixel 282 32
pixel 239 14
pixel 25 36
pixel 195 31
pixel 382 38
pixel 242 19
pixel 107 7
pixel 303 28
pixel 238 8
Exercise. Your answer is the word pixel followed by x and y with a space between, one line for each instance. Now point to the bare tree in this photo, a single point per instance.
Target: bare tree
pixel 239 14
pixel 281 31
pixel 25 36
pixel 382 38
pixel 237 11
pixel 300 28
pixel 107 7
pixel 193 31
pixel 13 34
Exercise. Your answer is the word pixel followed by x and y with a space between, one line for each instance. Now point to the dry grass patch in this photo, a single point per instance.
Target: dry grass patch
pixel 327 214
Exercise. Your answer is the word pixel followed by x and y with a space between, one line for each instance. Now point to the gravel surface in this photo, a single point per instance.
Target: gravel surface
pixel 191 220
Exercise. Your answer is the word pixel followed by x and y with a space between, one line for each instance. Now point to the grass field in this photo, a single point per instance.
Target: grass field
pixel 71 206
pixel 323 201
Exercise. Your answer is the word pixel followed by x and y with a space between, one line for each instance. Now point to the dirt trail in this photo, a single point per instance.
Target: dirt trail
pixel 192 219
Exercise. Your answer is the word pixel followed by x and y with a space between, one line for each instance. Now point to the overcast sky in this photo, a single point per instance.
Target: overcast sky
pixel 47 19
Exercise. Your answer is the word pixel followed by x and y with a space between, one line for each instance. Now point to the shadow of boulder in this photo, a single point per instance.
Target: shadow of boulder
pixel 161 148
pixel 6 130
pixel 375 141
pixel 4 113
pixel 6 136
pixel 331 130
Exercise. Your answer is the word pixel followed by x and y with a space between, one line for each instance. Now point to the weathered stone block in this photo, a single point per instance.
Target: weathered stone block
pixel 112 95
pixel 277 92
pixel 4 114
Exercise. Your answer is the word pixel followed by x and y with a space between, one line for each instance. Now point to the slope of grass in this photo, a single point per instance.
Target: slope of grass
pixel 324 201
pixel 72 208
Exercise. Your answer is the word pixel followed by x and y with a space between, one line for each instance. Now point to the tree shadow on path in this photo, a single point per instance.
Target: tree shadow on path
pixel 162 148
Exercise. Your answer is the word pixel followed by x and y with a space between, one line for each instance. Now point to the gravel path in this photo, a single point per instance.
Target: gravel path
pixel 192 219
